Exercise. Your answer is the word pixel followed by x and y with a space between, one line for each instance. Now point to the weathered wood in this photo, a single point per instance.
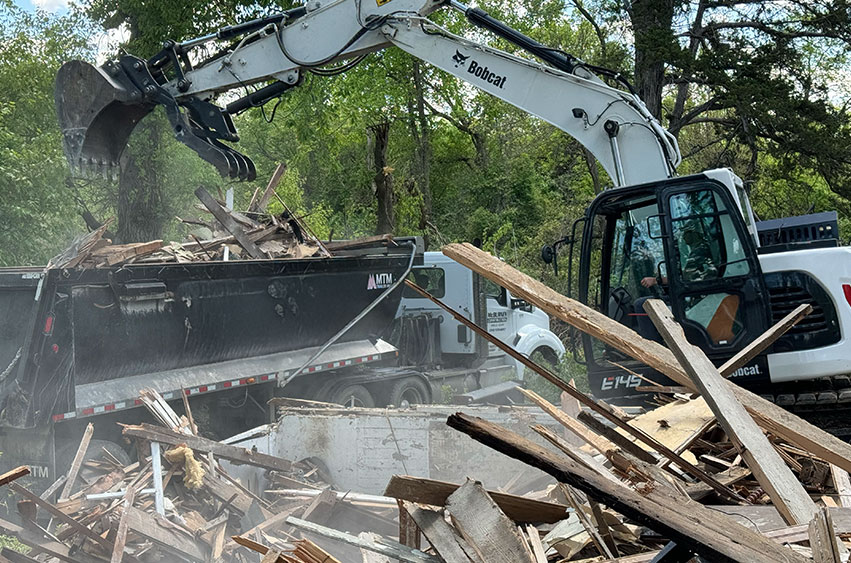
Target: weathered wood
pixel 769 469
pixel 606 411
pixel 160 531
pixel 823 540
pixel 386 547
pixel 121 534
pixel 616 437
pixel 598 442
pixel 446 543
pixel 766 339
pixel 574 453
pixel 46 546
pixel 14 474
pixel 232 453
pixel 77 463
pixel 62 517
pixel 229 223
pixel 9 556
pixel 321 508
pixel 842 484
pixel 280 169
pixel 157 468
pixel 435 493
pixel 409 532
pixel 707 532
pixel 771 417
pixel 485 527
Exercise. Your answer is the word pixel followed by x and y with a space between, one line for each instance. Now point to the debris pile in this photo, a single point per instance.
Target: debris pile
pixel 714 471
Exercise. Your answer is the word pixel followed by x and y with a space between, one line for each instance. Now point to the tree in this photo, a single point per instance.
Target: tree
pixel 37 208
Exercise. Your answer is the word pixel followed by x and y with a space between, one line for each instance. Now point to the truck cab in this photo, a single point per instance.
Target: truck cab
pixel 512 320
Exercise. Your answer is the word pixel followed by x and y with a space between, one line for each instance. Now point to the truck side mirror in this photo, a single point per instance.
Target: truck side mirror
pixel 521 304
pixel 550 256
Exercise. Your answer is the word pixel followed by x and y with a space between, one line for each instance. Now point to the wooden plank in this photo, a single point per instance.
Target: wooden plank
pixel 409 532
pixel 62 517
pixel 608 412
pixel 675 424
pixel 709 533
pixel 10 556
pixel 771 417
pixel 14 474
pixel 280 169
pixel 484 526
pixel 77 463
pixel 575 453
pixel 232 453
pixel 385 547
pixel 842 485
pixel 769 469
pixel 229 223
pixel 599 443
pixel 46 546
pixel 121 534
pixel 435 493
pixel 617 438
pixel 446 543
pixel 823 538
pixel 157 467
pixel 160 531
pixel 766 339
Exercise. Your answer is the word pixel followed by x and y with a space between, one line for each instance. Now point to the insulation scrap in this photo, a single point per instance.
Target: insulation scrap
pixel 193 473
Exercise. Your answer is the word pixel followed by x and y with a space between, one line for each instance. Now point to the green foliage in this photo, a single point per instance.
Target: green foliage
pixel 37 209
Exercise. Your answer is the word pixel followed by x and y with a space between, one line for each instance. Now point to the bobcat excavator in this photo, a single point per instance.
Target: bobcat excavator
pixel 635 236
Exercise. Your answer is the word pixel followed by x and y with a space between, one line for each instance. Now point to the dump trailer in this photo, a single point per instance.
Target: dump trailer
pixel 78 345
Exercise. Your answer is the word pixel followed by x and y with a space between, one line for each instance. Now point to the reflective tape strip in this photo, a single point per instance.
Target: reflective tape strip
pixel 99 409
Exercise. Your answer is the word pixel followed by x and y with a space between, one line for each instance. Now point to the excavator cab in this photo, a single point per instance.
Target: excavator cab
pixel 683 241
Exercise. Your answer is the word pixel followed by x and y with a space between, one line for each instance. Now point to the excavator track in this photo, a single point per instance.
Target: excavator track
pixel 824 402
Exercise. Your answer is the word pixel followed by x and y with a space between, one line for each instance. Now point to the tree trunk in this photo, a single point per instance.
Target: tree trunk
pixel 141 215
pixel 654 40
pixel 423 151
pixel 382 182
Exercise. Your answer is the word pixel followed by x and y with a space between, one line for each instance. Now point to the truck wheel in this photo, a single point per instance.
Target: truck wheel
pixel 409 391
pixel 353 396
pixel 65 456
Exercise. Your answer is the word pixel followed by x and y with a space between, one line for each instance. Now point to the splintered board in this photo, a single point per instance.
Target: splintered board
pixel 675 423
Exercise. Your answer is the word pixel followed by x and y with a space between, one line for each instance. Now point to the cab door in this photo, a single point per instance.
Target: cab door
pixel 717 291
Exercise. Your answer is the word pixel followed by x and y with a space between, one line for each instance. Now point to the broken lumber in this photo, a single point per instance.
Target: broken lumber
pixel 606 411
pixel 14 474
pixel 772 473
pixel 706 532
pixel 484 526
pixel 389 548
pixel 435 493
pixel 443 539
pixel 229 223
pixel 232 453
pixel 77 463
pixel 771 417
pixel 766 339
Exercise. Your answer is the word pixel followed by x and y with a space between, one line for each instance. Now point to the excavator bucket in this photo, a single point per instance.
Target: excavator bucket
pixel 96 115
pixel 98 108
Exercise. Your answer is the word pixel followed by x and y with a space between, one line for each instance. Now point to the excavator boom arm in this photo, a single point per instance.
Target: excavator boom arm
pixel 98 107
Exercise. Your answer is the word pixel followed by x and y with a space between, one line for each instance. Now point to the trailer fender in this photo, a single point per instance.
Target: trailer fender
pixel 531 338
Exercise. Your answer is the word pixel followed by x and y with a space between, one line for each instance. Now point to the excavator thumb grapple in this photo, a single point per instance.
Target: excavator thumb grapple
pixel 98 108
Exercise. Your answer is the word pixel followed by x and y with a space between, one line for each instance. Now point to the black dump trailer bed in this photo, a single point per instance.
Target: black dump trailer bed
pixel 83 342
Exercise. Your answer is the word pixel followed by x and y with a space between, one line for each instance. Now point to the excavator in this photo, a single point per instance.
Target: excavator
pixel 638 238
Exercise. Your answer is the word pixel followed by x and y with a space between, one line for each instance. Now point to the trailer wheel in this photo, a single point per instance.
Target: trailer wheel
pixel 353 396
pixel 409 391
pixel 65 456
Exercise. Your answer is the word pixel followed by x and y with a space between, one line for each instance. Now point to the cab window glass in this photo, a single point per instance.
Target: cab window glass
pixel 495 291
pixel 432 280
pixel 707 243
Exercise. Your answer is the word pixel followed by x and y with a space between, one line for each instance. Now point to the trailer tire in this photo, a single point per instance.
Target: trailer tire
pixel 410 390
pixel 65 456
pixel 353 395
